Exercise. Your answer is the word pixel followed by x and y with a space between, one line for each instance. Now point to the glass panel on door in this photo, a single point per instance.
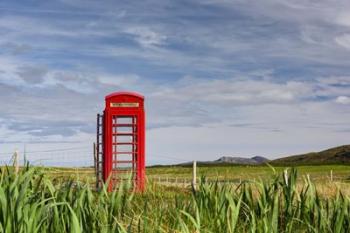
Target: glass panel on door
pixel 124 147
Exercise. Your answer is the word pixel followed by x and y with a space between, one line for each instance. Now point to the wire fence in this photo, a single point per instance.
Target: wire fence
pixel 70 157
pixel 59 157
pixel 82 157
pixel 185 182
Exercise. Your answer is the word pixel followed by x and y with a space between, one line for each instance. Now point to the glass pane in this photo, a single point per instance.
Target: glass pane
pixel 123 129
pixel 124 120
pixel 124 157
pixel 125 139
pixel 124 148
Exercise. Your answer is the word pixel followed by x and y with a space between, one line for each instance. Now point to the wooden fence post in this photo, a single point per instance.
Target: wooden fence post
pixel 24 156
pixel 15 162
pixel 96 165
pixel 285 173
pixel 95 157
pixel 331 175
pixel 194 175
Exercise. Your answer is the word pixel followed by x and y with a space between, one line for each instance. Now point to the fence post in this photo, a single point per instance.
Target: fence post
pixel 194 175
pixel 331 175
pixel 285 173
pixel 15 162
pixel 94 153
pixel 96 165
pixel 24 156
pixel 95 158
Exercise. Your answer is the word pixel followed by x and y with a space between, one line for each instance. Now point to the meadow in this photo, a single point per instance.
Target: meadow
pixel 39 200
pixel 325 175
pixel 246 172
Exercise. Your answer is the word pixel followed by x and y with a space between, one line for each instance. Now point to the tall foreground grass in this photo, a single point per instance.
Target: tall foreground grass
pixel 31 202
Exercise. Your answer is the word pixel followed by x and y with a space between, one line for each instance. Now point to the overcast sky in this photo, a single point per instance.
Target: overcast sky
pixel 220 77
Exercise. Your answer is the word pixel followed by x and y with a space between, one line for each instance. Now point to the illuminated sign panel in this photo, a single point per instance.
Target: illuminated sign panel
pixel 124 105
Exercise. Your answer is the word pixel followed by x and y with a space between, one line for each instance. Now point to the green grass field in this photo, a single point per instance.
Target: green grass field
pixel 318 174
pixel 322 172
pixel 47 200
pixel 176 176
pixel 227 171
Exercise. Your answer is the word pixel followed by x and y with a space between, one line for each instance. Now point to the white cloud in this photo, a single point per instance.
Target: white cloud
pixel 335 80
pixel 119 80
pixel 343 18
pixel 343 100
pixel 8 72
pixel 146 37
pixel 237 92
pixel 343 40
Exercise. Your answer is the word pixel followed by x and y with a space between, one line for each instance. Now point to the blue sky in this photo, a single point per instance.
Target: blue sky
pixel 236 77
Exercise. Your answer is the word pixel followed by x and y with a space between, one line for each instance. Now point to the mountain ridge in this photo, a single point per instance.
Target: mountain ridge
pixel 241 160
pixel 334 155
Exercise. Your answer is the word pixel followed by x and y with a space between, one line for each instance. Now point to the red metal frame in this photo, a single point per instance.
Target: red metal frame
pixel 126 105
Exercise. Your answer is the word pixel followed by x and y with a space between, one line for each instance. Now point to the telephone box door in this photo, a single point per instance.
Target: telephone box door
pixel 125 143
pixel 124 148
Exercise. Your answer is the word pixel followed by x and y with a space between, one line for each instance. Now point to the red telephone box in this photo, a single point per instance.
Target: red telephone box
pixel 121 140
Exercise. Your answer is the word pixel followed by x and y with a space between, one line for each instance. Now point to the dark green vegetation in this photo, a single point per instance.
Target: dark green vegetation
pixel 32 202
pixel 337 155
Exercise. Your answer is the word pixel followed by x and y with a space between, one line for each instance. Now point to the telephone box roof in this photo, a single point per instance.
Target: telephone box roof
pixel 120 93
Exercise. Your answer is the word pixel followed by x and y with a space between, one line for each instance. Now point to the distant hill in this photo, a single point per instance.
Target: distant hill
pixel 239 160
pixel 336 155
pixel 230 160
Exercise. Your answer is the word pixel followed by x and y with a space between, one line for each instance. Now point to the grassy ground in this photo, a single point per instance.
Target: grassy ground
pixel 319 172
pixel 316 173
pixel 36 201
pixel 320 175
